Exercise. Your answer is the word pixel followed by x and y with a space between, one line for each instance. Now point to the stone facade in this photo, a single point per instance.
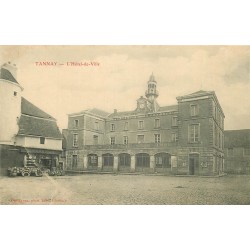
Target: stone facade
pixel 186 138
pixel 237 151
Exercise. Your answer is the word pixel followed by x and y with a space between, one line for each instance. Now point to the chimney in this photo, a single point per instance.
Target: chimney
pixel 115 111
pixel 12 68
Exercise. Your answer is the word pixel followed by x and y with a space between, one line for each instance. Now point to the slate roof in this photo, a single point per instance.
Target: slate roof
pixel 134 112
pixel 93 111
pixel 99 112
pixel 169 108
pixel 6 75
pixel 34 121
pixel 29 125
pixel 237 138
pixel 28 108
pixel 64 135
pixel 123 113
pixel 197 93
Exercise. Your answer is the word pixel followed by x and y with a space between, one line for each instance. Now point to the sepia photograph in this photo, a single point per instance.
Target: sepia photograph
pixel 124 125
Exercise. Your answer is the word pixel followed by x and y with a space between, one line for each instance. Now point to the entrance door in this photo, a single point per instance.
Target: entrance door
pixel 193 164
pixel 53 163
pixel 74 161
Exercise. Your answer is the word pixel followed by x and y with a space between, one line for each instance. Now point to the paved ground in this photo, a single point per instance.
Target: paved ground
pixel 125 189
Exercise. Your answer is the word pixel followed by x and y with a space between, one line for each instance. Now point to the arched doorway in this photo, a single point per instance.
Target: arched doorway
pixel 162 162
pixel 107 162
pixel 142 162
pixel 124 162
pixel 92 161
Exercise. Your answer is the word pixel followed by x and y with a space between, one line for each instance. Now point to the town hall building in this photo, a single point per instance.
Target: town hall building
pixel 185 139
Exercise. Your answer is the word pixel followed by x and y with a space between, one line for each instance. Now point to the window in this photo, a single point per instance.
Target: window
pixel 112 140
pixel 15 93
pixel 42 140
pixel 194 109
pixel 95 139
pixel 216 136
pixel 246 151
pixel 125 140
pixel 174 137
pixel 174 121
pixel 76 123
pixel 126 126
pixel 194 133
pixel 112 127
pixel 230 151
pixel 140 138
pixel 157 123
pixel 140 125
pixel 219 140
pixel 157 138
pixel 96 126
pixel 75 140
pixel 215 113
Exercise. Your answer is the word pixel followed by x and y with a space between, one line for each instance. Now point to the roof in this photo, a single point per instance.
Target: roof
pixel 152 78
pixel 64 135
pixel 237 138
pixel 123 113
pixel 30 125
pixel 28 108
pixel 6 75
pixel 98 112
pixel 200 93
pixel 135 112
pixel 93 111
pixel 197 93
pixel 169 108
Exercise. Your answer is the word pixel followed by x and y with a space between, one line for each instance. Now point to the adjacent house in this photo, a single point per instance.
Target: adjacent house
pixel 24 128
pixel 237 151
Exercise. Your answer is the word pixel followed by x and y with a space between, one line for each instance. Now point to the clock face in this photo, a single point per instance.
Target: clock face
pixel 141 105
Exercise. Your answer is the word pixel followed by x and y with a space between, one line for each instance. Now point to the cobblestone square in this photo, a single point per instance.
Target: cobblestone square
pixel 107 189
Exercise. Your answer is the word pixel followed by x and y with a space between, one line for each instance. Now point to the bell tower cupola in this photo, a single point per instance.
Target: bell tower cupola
pixel 152 93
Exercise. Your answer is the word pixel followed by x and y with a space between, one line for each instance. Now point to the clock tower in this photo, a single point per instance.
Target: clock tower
pixel 152 93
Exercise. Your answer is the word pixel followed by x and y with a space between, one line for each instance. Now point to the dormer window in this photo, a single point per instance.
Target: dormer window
pixel 15 93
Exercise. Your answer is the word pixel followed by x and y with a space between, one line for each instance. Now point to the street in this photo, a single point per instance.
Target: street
pixel 108 189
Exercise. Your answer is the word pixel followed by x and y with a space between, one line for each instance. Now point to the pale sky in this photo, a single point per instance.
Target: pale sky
pixel 121 78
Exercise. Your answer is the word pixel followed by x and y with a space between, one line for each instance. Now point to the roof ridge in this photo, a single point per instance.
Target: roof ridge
pixel 30 109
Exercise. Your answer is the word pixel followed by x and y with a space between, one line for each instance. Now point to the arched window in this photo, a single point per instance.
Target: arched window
pixel 142 160
pixel 124 160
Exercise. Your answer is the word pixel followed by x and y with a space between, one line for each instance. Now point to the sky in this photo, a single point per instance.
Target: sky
pixel 119 75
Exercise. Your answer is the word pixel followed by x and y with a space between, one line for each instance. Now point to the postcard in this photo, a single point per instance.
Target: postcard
pixel 124 125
